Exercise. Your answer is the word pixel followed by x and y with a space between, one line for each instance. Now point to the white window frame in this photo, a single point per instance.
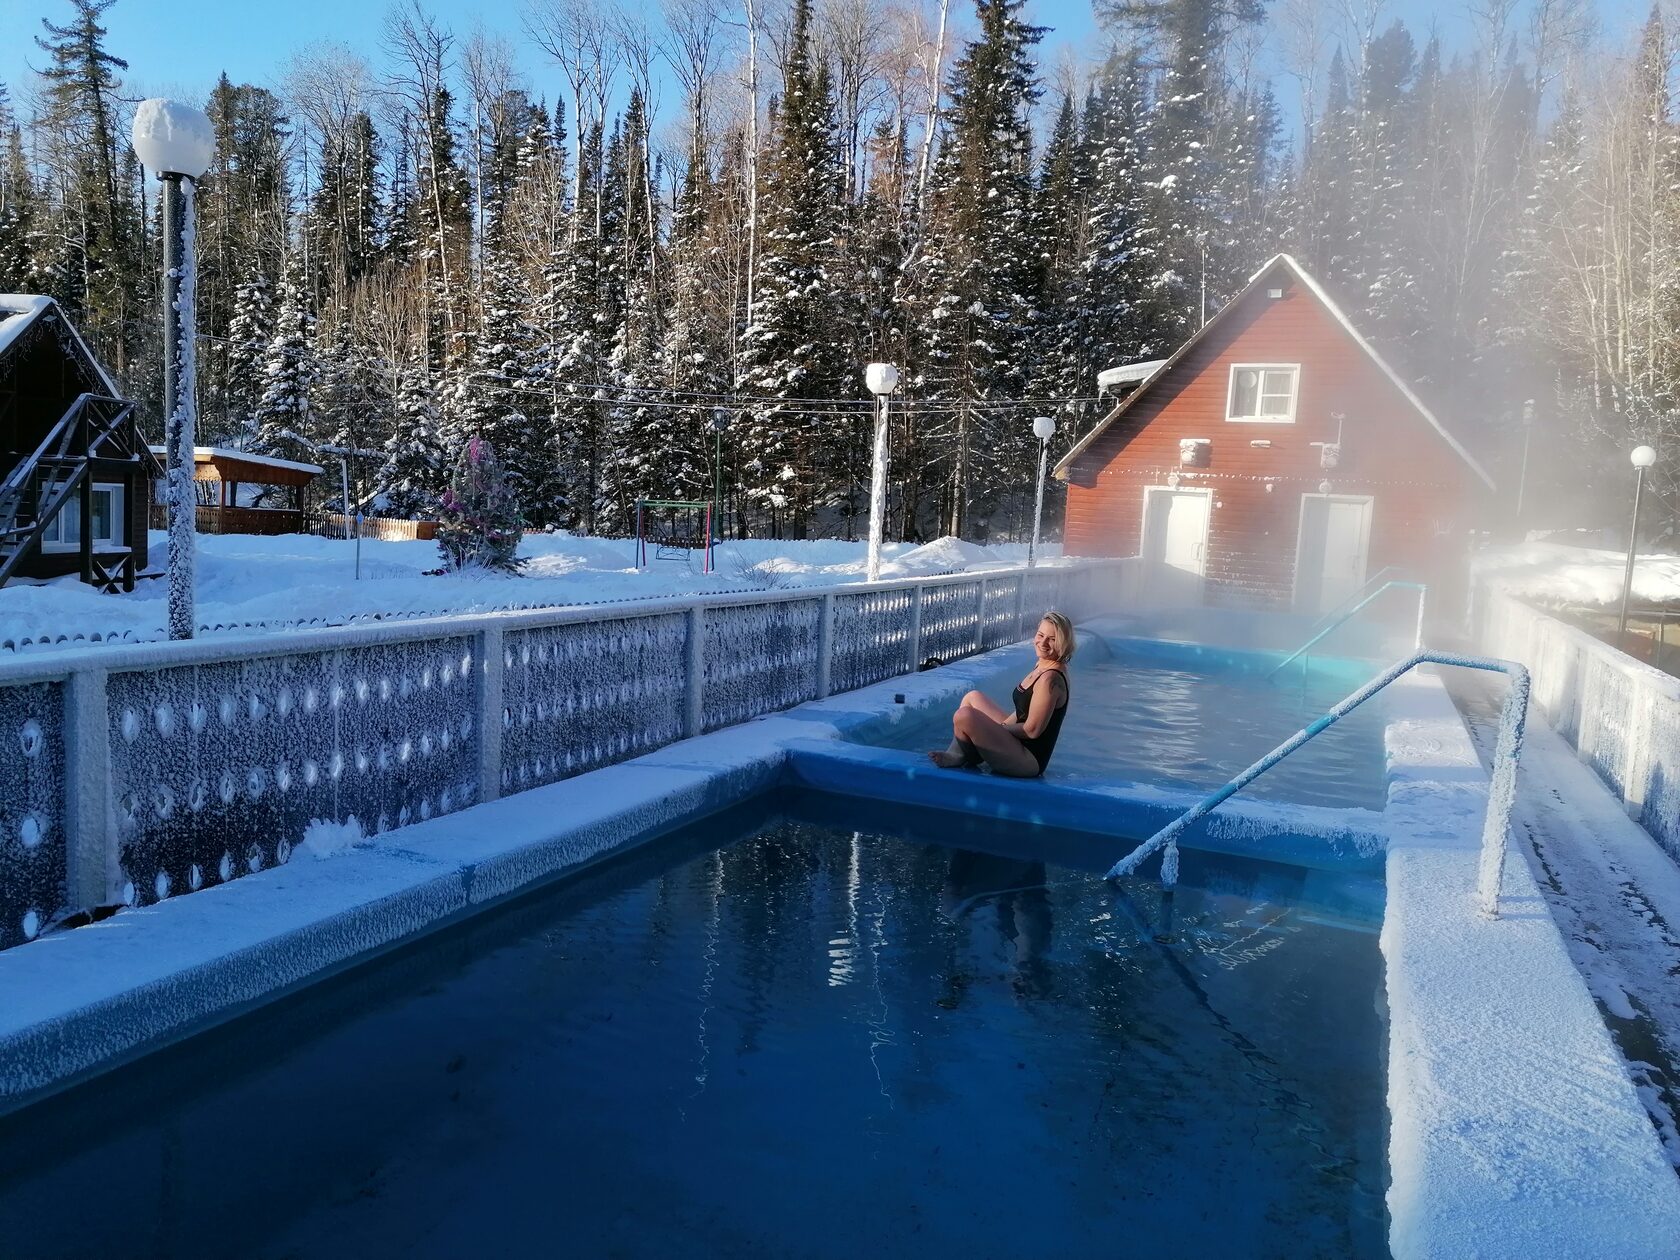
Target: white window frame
pixel 52 537
pixel 1294 370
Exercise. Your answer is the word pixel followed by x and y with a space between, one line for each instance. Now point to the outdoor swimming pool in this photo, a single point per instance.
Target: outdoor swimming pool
pixel 770 1035
pixel 1170 714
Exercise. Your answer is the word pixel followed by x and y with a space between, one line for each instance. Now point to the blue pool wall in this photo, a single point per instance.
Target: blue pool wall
pixel 1514 1129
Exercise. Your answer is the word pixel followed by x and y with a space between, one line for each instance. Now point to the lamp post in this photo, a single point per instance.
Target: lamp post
pixel 718 423
pixel 1643 457
pixel 1044 428
pixel 1522 477
pixel 882 379
pixel 176 142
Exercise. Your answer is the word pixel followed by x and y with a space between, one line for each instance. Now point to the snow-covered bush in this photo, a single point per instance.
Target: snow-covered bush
pixel 480 524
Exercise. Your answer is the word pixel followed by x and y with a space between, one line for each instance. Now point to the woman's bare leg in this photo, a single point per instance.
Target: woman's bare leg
pixel 961 752
pixel 995 743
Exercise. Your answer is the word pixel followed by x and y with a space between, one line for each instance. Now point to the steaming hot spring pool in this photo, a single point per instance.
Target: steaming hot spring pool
pixel 806 1027
pixel 1190 717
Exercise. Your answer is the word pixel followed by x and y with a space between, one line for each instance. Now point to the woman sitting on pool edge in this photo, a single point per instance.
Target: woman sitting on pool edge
pixel 1017 744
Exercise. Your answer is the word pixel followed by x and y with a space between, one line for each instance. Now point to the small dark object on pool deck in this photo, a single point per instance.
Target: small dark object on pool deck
pixel 898 697
pixel 932 662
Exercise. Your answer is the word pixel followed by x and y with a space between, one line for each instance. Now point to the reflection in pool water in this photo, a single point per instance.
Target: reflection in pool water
pixel 811 1041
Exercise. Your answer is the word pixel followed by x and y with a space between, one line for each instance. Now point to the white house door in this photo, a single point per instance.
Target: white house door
pixel 1175 528
pixel 1335 541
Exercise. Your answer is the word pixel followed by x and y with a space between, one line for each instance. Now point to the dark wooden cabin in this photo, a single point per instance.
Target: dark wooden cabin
pixel 1275 460
pixel 77 477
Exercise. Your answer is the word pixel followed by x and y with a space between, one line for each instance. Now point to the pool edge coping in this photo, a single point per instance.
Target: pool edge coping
pixel 1514 1129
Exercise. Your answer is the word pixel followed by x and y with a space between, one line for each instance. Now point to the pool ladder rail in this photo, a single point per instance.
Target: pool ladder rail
pixel 1501 792
pixel 1331 622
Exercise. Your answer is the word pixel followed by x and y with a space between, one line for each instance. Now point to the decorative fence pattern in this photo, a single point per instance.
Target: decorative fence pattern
pixel 147 771
pixel 1621 715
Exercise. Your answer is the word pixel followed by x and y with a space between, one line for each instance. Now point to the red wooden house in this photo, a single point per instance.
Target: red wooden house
pixel 1275 460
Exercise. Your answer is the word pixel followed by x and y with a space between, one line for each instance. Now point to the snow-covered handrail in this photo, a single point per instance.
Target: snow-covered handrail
pixel 1501 792
pixel 1417 638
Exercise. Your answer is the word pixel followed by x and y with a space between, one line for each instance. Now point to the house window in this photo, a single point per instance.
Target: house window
pixel 1263 393
pixel 64 533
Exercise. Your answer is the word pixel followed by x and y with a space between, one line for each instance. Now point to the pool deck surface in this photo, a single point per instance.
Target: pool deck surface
pixel 1515 1128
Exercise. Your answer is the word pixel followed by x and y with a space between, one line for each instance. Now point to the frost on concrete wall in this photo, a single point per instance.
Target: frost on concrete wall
pixel 871 637
pixel 32 835
pixel 1044 592
pixel 580 696
pixel 759 658
pixel 217 769
pixel 951 620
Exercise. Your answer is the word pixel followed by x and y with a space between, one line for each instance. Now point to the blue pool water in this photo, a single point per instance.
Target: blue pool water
pixel 773 1036
pixel 1190 723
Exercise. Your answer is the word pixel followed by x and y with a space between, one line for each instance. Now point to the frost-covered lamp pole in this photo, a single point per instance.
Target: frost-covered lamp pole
pixel 882 379
pixel 1044 428
pixel 1643 457
pixel 176 142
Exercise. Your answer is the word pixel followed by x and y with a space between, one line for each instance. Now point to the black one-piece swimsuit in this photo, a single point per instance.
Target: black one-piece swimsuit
pixel 1044 743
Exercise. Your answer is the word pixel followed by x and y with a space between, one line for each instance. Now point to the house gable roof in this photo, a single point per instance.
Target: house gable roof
pixel 1299 273
pixel 21 311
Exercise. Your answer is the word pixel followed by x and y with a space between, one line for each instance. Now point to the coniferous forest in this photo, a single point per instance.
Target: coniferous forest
pixel 404 249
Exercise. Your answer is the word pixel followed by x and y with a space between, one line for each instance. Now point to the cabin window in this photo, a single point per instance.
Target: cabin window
pixel 1263 393
pixel 64 533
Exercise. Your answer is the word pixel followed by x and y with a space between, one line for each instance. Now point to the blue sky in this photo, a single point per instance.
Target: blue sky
pixel 178 47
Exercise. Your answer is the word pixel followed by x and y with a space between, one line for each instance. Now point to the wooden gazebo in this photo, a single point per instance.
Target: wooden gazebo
pixel 219 473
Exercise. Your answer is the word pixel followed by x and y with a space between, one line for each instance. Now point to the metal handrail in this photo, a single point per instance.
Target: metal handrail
pixel 1417 638
pixel 1501 792
pixel 1353 595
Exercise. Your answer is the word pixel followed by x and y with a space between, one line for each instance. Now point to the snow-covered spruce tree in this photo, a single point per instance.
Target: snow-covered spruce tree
pixel 249 331
pixel 693 362
pixel 790 348
pixel 975 285
pixel 1060 219
pixel 411 479
pixel 576 332
pixel 638 432
pixel 1120 318
pixel 285 412
pixel 17 206
pixel 498 393
pixel 480 525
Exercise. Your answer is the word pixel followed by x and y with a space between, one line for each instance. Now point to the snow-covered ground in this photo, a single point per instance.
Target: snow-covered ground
pixel 1557 575
pixel 298 578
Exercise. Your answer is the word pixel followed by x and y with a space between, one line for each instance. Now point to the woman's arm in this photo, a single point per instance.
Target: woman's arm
pixel 1043 706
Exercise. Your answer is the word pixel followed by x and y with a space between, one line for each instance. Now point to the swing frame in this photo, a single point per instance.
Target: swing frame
pixel 671 544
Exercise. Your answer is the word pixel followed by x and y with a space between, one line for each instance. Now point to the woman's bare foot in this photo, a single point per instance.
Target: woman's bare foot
pixel 945 759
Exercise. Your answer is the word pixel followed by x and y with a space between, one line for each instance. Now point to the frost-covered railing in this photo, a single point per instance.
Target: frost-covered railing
pixel 138 773
pixel 1621 715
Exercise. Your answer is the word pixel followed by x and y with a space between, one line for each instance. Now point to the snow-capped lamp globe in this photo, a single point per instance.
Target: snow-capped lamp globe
pixel 176 142
pixel 1642 457
pixel 1044 428
pixel 882 380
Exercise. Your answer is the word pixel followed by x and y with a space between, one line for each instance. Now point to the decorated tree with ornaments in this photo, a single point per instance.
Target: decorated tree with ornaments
pixel 481 523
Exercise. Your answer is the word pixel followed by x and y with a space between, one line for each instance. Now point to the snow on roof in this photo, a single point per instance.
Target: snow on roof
pixel 205 454
pixel 1127 374
pixel 19 310
pixel 1312 286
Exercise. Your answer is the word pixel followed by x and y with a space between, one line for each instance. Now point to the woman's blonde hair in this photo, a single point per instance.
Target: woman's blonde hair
pixel 1066 644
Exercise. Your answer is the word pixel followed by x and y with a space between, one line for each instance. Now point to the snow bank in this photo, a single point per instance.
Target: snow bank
pixel 1556 575
pixel 281 582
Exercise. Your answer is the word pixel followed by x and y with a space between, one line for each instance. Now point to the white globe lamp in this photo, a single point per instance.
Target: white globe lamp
pixel 1642 457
